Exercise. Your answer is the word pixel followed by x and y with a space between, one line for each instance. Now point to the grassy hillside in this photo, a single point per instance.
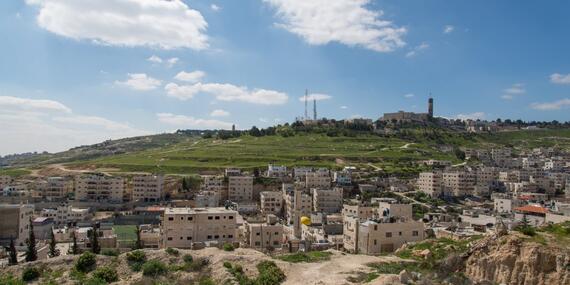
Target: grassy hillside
pixel 183 154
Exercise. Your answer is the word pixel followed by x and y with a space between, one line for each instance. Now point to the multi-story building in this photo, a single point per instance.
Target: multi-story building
pixel 431 183
pixel 361 211
pixel 342 177
pixel 15 223
pixel 317 180
pixel 99 188
pixel 215 184
pixel 391 208
pixel 271 202
pixel 240 188
pixel 297 204
pixel 265 236
pixel 276 170
pixel 327 200
pixel 66 214
pixel 458 183
pixel 232 172
pixel 181 227
pixel 55 188
pixel 500 155
pixel 148 188
pixel 206 199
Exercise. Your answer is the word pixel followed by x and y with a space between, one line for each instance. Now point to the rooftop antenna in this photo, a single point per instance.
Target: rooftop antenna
pixel 306 97
pixel 314 109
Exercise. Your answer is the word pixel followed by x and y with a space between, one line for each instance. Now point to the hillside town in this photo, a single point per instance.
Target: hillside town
pixel 283 209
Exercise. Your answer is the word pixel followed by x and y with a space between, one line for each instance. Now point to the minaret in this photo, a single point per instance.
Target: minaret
pixel 430 106
pixel 315 109
pixel 306 97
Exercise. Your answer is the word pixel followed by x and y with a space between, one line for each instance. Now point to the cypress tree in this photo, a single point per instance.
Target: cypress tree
pixel 13 260
pixel 53 251
pixel 32 252
pixel 74 249
pixel 138 243
pixel 95 247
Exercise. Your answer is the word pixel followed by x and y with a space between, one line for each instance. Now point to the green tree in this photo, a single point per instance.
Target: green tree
pixel 31 252
pixel 53 251
pixel 138 242
pixel 13 259
pixel 74 249
pixel 95 247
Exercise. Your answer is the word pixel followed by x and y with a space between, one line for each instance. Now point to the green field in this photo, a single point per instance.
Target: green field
pixel 125 233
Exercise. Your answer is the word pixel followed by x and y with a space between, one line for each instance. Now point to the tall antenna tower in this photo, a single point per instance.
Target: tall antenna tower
pixel 306 97
pixel 315 109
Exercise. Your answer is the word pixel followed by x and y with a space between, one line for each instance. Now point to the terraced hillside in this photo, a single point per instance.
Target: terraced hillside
pixel 183 154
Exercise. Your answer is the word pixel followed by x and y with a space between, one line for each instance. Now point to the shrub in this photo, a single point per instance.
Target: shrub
pixel 86 262
pixel 10 280
pixel 198 264
pixel 110 252
pixel 188 258
pixel 106 274
pixel 153 268
pixel 94 281
pixel 229 247
pixel 172 251
pixel 136 259
pixel 206 281
pixel 227 264
pixel 269 273
pixel 31 273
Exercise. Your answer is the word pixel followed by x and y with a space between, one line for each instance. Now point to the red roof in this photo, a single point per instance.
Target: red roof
pixel 532 209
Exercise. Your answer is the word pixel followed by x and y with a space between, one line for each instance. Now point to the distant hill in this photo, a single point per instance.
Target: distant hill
pixel 184 153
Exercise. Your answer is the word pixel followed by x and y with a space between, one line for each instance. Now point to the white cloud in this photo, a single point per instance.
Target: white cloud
pixel 191 122
pixel 16 103
pixel 513 91
pixel 160 24
pixel 448 29
pixel 315 96
pixel 348 22
pixel 219 113
pixel 140 82
pixel 558 78
pixel 215 7
pixel 549 106
pixel 344 107
pixel 38 125
pixel 171 62
pixel 409 95
pixel 416 50
pixel 227 92
pixel 192 77
pixel 263 120
pixel 471 116
pixel 154 59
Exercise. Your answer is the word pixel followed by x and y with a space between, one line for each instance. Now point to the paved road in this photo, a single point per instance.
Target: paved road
pixel 411 199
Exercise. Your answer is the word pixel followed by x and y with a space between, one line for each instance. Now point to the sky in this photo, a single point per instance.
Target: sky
pixel 75 72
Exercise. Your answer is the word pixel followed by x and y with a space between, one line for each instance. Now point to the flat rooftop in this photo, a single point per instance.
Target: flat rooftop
pixel 187 210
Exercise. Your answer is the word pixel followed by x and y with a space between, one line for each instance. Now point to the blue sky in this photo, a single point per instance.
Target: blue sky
pixel 77 71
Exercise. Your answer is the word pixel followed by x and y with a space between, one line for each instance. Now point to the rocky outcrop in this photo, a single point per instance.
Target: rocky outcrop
pixel 513 260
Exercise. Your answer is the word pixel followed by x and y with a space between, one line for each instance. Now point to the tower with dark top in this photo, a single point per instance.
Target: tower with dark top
pixel 430 107
pixel 315 109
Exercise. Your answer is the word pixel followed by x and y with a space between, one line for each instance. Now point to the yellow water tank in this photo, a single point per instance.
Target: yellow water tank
pixel 306 221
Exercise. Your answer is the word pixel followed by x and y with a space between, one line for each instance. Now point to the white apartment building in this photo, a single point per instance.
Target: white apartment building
pixel 362 212
pixel 15 223
pixel 271 202
pixel 240 188
pixel 148 188
pixel 342 177
pixel 232 172
pixel 327 200
pixel 276 170
pixel 181 227
pixel 99 188
pixel 431 183
pixel 55 188
pixel 296 208
pixel 317 180
pixel 458 183
pixel 66 214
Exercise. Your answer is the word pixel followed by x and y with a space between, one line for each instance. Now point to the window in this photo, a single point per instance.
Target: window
pixel 181 238
pixel 415 233
pixel 276 233
pixel 170 218
pixel 188 238
pixel 375 242
pixel 190 218
pixel 388 235
pixel 169 238
pixel 210 218
pixel 217 217
pixel 230 236
pixel 216 236
pixel 257 234
pixel 375 228
pixel 257 243
pixel 231 217
pixel 209 237
pixel 182 218
pixel 400 233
